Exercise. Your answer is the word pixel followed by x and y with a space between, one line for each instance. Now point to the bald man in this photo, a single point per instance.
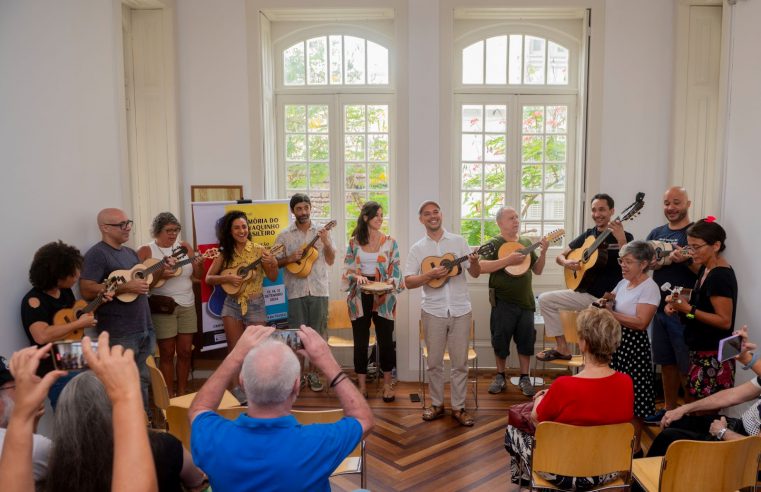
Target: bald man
pixel 512 312
pixel 669 347
pixel 128 323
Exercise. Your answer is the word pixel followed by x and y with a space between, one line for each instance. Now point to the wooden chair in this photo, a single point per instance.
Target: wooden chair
pixel 179 425
pixel 702 465
pixel 161 398
pixel 568 320
pixel 578 451
pixel 338 319
pixel 352 464
pixel 423 358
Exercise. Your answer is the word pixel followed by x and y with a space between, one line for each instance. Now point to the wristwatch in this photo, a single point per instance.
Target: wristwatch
pixel 692 312
pixel 720 434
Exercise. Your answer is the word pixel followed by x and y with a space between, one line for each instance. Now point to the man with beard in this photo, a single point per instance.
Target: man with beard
pixel 669 347
pixel 512 314
pixel 307 296
pixel 445 312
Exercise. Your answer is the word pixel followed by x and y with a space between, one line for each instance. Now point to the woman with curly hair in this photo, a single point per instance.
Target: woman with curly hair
pixel 709 312
pixel 372 256
pixel 55 269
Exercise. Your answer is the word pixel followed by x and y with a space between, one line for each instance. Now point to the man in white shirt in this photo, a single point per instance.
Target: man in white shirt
pixel 445 311
pixel 41 444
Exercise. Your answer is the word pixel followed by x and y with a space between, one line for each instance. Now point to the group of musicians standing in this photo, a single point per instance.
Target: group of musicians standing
pixel 685 329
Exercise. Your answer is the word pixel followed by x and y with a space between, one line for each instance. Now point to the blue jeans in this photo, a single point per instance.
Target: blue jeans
pixel 142 344
pixel 669 347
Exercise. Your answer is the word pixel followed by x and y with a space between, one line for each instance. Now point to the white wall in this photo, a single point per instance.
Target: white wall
pixel 60 134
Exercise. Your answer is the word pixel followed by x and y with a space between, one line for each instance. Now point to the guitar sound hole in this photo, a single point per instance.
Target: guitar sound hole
pixel 140 275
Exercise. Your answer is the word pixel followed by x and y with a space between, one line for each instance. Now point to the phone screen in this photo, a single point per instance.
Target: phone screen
pixel 729 347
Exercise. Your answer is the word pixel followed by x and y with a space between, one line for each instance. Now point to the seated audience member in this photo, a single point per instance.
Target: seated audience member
pixel 41 444
pixel 577 400
pixel 132 467
pixel 680 423
pixel 266 448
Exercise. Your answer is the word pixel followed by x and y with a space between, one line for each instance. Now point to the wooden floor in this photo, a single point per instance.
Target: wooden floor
pixel 405 453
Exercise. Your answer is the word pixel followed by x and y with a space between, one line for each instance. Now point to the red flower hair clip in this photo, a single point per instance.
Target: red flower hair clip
pixel 710 218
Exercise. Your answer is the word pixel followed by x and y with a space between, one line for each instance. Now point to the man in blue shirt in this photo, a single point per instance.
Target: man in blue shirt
pixel 266 448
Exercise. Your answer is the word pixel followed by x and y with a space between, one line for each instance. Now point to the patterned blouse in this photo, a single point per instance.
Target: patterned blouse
pixel 252 287
pixel 388 268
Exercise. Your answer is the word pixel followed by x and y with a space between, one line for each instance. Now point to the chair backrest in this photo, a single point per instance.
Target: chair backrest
pixel 179 425
pixel 568 320
pixel 700 465
pixel 158 385
pixel 580 451
pixel 338 315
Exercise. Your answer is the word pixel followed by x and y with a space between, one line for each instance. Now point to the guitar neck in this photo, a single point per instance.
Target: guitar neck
pixel 153 268
pixel 463 258
pixel 529 249
pixel 244 270
pixel 187 261
pixel 95 303
pixel 602 237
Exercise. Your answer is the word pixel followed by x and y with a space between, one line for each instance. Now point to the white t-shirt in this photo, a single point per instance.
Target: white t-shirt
pixel 40 454
pixel 627 299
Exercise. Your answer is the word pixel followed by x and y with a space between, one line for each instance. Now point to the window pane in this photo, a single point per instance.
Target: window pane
pixel 494 177
pixel 496 118
pixel 320 204
pixel 319 176
pixel 354 57
pixel 318 147
pixel 472 118
pixel 378 176
pixel 534 61
pixel 531 229
pixel 531 206
pixel 516 59
pixel 382 198
pixel 295 149
pixel 317 63
pixel 492 203
pixel 377 118
pixel 471 176
pixel 557 119
pixel 557 70
pixel 354 149
pixel 532 149
pixel 293 65
pixel 356 177
pixel 318 119
pixel 354 118
pixel 554 206
pixel 473 64
pixel 531 178
pixel 354 202
pixel 377 146
pixel 296 176
pixel 377 64
pixel 471 206
pixel 554 177
pixel 496 60
pixel 495 147
pixel 533 119
pixel 491 229
pixel 472 147
pixel 556 148
pixel 295 118
pixel 336 60
pixel 471 231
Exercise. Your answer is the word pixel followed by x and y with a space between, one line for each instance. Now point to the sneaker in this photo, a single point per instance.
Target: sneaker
pixel 655 418
pixel 526 387
pixel 314 382
pixel 497 384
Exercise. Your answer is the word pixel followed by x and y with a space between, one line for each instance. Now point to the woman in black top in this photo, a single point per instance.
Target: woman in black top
pixel 709 313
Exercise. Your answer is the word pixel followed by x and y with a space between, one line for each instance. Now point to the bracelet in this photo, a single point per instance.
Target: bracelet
pixel 720 434
pixel 692 312
pixel 753 360
pixel 337 379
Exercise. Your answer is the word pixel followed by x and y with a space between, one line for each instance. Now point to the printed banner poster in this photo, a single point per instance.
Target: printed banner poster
pixel 266 219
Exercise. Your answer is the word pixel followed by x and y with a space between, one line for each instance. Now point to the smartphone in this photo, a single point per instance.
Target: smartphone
pixel 68 356
pixel 289 336
pixel 414 397
pixel 729 347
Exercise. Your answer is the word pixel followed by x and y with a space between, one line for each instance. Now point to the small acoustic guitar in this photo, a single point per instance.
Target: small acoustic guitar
pixel 69 315
pixel 511 247
pixel 450 263
pixel 303 267
pixel 143 271
pixel 663 251
pixel 591 257
pixel 246 272
pixel 209 254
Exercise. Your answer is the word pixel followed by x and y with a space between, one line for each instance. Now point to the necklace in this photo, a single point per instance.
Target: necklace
pixel 164 253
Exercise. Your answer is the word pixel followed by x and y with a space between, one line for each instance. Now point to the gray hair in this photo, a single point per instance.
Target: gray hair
pixel 8 405
pixel 162 220
pixel 640 250
pixel 502 210
pixel 270 371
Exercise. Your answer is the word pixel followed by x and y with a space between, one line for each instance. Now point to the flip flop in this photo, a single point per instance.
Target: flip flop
pixel 552 354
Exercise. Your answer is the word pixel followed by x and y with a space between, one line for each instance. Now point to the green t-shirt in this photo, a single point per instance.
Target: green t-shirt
pixel 515 290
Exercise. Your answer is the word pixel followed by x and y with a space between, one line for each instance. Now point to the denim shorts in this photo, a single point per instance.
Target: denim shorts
pixel 256 314
pixel 669 347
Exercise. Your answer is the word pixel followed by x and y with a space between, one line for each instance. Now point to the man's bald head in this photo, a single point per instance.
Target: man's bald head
pixel 676 205
pixel 110 216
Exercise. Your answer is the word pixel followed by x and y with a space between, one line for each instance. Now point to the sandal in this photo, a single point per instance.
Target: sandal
pixel 463 418
pixel 433 412
pixel 388 393
pixel 552 354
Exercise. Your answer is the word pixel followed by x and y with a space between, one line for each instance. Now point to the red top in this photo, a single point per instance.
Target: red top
pixel 584 401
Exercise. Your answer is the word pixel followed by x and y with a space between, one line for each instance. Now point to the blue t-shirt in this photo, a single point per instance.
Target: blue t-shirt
pixel 677 274
pixel 116 317
pixel 270 454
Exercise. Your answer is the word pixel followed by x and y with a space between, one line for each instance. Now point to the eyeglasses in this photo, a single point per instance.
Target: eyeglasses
pixel 123 225
pixel 627 262
pixel 174 230
pixel 695 248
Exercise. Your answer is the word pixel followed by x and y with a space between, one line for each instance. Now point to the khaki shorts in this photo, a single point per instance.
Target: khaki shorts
pixel 182 320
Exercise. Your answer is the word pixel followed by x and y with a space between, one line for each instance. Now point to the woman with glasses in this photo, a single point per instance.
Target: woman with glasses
pixel 173 310
pixel 636 299
pixel 709 312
